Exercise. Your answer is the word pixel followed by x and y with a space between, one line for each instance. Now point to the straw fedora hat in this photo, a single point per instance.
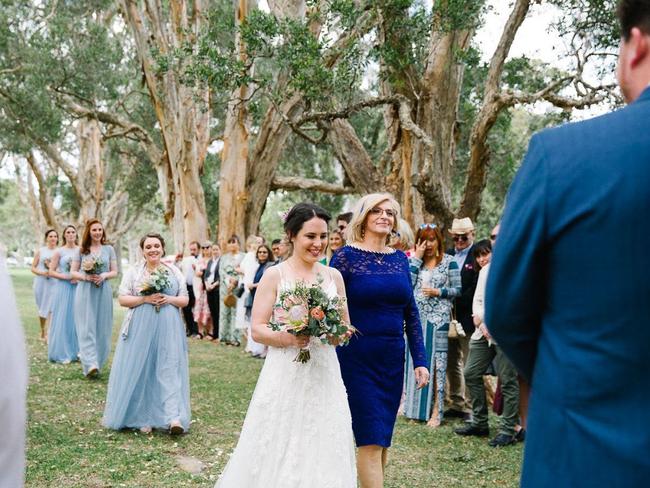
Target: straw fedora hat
pixel 461 226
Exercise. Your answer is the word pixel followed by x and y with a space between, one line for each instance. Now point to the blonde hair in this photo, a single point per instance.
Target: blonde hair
pixel 404 237
pixel 356 228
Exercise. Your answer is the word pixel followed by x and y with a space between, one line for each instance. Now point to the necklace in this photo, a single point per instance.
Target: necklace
pixel 377 255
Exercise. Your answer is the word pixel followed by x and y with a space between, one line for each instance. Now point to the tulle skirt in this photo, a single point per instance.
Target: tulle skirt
pixel 93 316
pixel 43 288
pixel 62 343
pixel 149 384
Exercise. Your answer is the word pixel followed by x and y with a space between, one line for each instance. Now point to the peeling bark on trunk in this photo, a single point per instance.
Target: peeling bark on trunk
pixel 44 195
pixel 182 111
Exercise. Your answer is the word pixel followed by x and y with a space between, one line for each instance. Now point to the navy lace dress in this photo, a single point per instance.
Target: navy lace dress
pixel 380 300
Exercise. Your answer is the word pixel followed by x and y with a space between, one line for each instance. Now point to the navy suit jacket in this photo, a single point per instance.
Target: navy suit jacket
pixel 468 280
pixel 568 299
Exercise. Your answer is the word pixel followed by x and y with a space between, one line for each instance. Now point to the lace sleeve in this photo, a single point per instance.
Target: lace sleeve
pixel 414 328
pixel 340 261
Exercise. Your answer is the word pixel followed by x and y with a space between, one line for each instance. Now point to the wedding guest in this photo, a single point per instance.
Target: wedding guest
pixel 436 282
pixel 211 280
pixel 62 343
pixel 92 267
pixel 43 285
pixel 201 308
pixel 380 301
pixel 336 242
pixel 482 351
pixel 188 267
pixel 342 222
pixel 284 250
pixel 462 233
pixel 402 239
pixel 247 268
pixel 264 261
pixel 229 279
pixel 275 247
pixel 149 385
pixel 14 379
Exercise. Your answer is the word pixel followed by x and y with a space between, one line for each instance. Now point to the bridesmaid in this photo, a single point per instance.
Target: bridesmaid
pixel 382 308
pixel 93 302
pixel 42 282
pixel 149 385
pixel 63 346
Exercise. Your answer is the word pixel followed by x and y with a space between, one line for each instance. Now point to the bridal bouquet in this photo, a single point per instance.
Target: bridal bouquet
pixel 157 282
pixel 308 311
pixel 92 264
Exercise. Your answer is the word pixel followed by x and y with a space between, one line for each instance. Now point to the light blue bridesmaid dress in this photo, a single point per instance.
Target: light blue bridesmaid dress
pixel 42 284
pixel 149 384
pixel 93 315
pixel 62 343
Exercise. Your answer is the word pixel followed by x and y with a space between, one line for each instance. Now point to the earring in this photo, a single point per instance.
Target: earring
pixel 363 232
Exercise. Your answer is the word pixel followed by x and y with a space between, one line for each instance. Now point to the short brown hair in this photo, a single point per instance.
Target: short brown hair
pixel 153 235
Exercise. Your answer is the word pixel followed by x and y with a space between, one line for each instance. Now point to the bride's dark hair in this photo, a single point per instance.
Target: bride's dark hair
pixel 301 213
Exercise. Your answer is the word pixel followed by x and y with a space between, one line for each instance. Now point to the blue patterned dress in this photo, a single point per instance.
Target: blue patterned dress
pixel 62 343
pixel 43 285
pixel 435 314
pixel 93 314
pixel 149 384
pixel 380 301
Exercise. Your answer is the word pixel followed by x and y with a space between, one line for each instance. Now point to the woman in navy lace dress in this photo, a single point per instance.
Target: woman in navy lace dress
pixel 380 300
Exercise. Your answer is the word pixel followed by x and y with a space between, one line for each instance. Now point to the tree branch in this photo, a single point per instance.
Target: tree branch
pixel 292 183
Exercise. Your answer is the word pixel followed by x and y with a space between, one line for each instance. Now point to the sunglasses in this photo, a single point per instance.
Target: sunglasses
pixel 205 247
pixel 428 226
pixel 341 227
pixel 462 238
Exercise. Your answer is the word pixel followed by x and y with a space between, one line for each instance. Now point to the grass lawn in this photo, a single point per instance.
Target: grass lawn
pixel 68 447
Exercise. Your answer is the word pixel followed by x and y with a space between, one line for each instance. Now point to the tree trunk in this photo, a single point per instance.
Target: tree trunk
pixel 44 195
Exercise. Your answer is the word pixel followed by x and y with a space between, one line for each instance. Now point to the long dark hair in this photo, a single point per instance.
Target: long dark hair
pixel 86 240
pixel 268 250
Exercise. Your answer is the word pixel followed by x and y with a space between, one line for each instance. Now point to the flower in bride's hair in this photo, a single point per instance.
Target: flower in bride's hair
pixel 284 215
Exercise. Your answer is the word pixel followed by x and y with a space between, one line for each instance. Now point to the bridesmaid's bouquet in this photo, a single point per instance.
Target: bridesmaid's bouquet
pixel 92 264
pixel 308 311
pixel 157 282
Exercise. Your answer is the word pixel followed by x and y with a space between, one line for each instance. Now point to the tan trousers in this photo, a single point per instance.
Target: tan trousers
pixel 457 396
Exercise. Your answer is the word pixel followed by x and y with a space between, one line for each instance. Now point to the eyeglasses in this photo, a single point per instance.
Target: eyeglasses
pixel 428 226
pixel 379 211
pixel 262 252
pixel 462 237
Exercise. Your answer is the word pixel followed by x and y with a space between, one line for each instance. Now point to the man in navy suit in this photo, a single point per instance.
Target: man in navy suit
pixel 569 289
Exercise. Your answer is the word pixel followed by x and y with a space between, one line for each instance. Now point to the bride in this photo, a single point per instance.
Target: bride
pixel 298 429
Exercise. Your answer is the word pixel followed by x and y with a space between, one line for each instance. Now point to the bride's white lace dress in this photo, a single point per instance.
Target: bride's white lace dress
pixel 298 429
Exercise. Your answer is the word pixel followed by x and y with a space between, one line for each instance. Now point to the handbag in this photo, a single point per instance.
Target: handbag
pixel 239 291
pixel 230 300
pixel 455 327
